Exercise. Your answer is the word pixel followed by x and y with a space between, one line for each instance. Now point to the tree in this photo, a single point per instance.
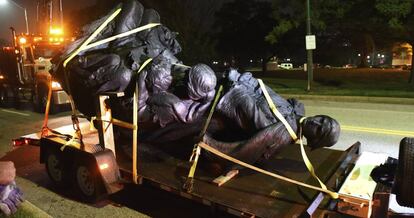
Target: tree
pixel 343 23
pixel 242 28
pixel 191 19
pixel 399 16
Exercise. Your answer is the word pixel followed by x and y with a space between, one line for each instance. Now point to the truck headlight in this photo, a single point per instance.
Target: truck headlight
pixel 56 85
pixel 1 77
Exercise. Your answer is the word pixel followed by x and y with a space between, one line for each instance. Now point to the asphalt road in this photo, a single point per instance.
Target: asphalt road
pixel 379 127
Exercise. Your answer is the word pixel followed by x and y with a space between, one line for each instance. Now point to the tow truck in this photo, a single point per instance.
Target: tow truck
pixel 24 66
pixel 24 71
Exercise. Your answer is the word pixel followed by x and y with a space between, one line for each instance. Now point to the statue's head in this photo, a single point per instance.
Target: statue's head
pixel 201 82
pixel 321 131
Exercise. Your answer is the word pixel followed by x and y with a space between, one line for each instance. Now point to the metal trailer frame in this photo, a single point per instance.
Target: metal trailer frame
pixel 110 181
pixel 251 194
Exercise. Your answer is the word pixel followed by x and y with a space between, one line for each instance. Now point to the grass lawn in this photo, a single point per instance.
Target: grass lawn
pixel 343 82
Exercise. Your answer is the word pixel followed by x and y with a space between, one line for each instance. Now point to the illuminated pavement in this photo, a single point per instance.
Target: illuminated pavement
pixel 379 127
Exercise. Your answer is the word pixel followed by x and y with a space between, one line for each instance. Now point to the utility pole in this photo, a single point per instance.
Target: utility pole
pixel 309 48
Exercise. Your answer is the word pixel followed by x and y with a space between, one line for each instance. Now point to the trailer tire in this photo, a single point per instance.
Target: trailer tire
pixel 55 168
pixel 88 182
pixel 404 181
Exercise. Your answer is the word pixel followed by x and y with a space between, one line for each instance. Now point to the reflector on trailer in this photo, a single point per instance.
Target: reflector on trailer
pixel 103 166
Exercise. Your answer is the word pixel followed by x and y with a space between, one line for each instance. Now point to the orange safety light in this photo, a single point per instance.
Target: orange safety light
pixel 22 40
pixel 56 31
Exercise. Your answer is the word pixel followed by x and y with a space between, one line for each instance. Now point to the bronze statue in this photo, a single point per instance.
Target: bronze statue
pixel 174 101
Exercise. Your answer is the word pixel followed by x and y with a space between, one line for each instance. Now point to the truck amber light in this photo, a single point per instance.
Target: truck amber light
pixel 56 85
pixel 103 166
pixel 1 77
pixel 56 31
pixel 22 40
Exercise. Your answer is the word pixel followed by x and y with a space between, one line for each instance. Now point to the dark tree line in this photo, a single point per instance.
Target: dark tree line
pixel 363 25
pixel 192 19
pixel 241 31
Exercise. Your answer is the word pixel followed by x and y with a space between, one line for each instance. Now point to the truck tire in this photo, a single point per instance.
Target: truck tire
pixel 88 182
pixel 15 98
pixel 404 181
pixel 3 97
pixel 55 168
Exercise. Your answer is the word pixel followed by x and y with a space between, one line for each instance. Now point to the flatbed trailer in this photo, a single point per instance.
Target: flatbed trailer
pixel 97 167
pixel 250 194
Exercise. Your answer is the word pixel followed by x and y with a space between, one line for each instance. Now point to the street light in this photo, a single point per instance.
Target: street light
pixel 3 2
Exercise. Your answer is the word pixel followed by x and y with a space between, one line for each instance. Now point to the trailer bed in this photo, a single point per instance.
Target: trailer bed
pixel 249 193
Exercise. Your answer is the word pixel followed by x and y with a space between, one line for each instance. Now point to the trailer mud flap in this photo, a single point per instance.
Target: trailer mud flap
pixel 109 170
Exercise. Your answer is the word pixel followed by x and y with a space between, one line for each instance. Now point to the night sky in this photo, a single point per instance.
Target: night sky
pixel 11 15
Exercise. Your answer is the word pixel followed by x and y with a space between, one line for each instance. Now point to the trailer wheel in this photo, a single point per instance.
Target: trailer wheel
pixel 87 180
pixel 404 181
pixel 55 169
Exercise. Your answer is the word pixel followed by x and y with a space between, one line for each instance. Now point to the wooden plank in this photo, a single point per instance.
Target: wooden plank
pixel 106 136
pixel 219 181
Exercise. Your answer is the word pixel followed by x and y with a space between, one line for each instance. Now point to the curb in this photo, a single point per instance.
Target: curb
pixel 365 99
pixel 27 209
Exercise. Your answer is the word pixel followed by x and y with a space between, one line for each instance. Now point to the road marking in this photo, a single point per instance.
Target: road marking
pixel 15 112
pixel 379 131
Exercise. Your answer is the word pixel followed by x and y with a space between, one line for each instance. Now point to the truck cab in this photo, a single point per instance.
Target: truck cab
pixel 25 75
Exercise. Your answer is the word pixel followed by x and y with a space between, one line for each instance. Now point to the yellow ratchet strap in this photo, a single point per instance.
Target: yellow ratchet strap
pixel 181 65
pixel 92 37
pixel 292 133
pixel 73 142
pixel 121 35
pixel 188 185
pixel 203 145
pixel 306 159
pixel 76 140
pixel 275 111
pixel 146 62
pixel 92 126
